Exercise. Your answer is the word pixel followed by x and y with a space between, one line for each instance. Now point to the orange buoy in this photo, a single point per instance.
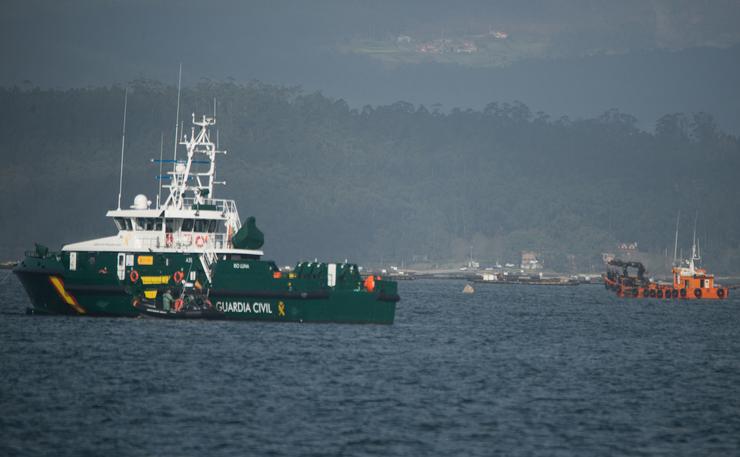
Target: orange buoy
pixel 370 283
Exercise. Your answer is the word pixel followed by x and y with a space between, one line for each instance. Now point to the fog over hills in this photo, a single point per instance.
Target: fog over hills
pixel 393 183
pixel 386 130
pixel 573 58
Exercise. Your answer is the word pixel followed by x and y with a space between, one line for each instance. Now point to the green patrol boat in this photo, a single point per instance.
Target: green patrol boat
pixel 193 239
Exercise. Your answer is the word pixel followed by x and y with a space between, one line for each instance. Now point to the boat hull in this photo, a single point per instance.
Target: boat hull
pixel 336 306
pixel 666 292
pixel 42 294
pixel 238 293
pixel 53 289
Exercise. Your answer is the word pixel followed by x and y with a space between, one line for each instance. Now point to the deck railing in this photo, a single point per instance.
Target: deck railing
pixel 228 207
pixel 190 241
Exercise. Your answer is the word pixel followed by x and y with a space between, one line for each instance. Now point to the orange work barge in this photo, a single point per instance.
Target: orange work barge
pixel 689 283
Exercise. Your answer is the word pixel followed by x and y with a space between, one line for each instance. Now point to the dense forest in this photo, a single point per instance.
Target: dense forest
pixel 397 184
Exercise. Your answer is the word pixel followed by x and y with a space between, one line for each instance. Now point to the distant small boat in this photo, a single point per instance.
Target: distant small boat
pixel 689 281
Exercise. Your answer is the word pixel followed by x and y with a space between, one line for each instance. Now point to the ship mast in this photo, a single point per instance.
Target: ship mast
pixel 675 242
pixel 695 256
pixel 184 177
pixel 123 146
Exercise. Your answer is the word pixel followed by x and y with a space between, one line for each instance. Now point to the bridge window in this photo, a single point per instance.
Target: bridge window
pixel 169 225
pixel 148 223
pixel 201 225
pixel 187 225
pixel 123 223
pixel 212 226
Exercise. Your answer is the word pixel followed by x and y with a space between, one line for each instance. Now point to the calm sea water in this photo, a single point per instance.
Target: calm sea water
pixel 510 370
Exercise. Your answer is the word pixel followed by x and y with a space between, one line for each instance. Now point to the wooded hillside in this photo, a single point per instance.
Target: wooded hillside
pixel 396 183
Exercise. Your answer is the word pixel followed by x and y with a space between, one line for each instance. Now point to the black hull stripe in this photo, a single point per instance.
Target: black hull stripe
pixel 269 294
pixel 38 271
pixel 389 297
pixel 288 295
pixel 105 289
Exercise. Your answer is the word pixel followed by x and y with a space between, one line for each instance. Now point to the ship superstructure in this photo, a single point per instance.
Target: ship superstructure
pixel 190 220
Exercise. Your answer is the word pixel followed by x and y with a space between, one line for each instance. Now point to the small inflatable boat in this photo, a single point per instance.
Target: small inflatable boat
pixel 149 308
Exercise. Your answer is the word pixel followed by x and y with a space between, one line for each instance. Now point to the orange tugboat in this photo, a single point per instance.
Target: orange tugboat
pixel 689 281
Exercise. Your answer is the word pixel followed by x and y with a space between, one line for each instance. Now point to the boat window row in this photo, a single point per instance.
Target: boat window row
pixel 199 225
pixel 170 225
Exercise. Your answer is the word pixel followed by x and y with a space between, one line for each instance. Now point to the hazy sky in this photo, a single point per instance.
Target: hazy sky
pixel 577 58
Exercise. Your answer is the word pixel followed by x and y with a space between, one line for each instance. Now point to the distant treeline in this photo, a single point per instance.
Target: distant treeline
pixel 397 183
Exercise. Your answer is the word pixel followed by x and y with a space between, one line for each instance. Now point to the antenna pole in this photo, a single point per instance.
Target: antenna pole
pixel 693 247
pixel 173 181
pixel 123 146
pixel 675 243
pixel 177 116
pixel 159 185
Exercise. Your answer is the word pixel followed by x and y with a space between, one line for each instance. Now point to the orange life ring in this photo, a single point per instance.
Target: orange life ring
pixel 169 239
pixel 200 241
pixel 721 293
pixel 178 304
pixel 133 276
pixel 178 276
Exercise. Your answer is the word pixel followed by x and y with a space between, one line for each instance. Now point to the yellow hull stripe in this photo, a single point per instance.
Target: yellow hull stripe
pixel 151 280
pixel 150 294
pixel 69 299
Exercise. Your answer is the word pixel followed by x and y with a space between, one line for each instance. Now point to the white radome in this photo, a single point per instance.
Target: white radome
pixel 141 202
